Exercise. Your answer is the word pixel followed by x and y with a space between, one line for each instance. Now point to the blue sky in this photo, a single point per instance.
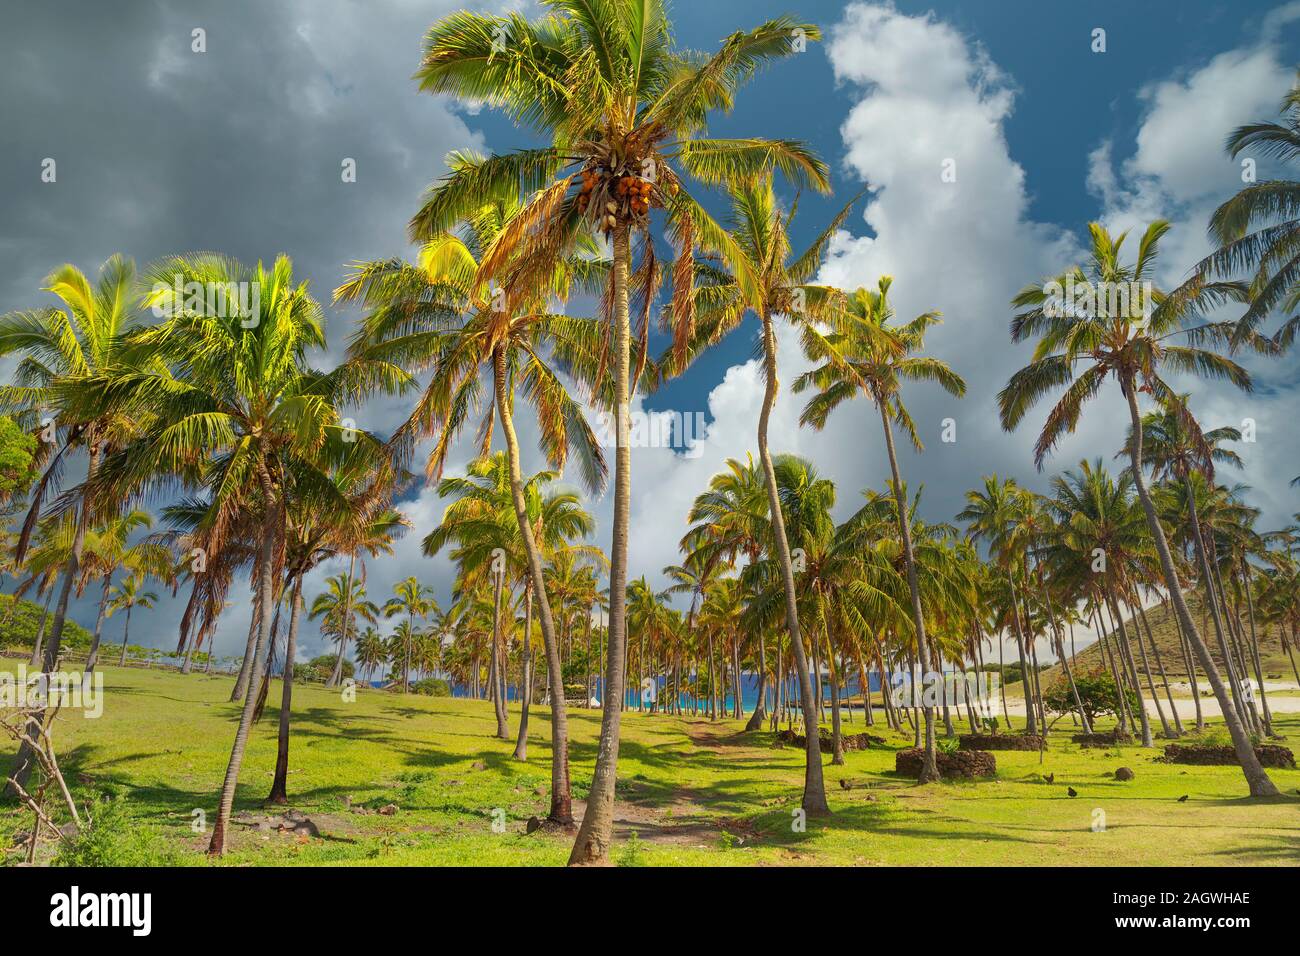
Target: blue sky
pixel 238 149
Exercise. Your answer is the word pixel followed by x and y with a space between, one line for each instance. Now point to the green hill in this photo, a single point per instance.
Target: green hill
pixel 1164 628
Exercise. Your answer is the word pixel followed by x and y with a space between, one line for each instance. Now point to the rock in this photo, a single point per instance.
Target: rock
pixel 1123 773
pixel 534 824
pixel 306 828
pixel 1000 741
pixel 388 810
pixel 478 765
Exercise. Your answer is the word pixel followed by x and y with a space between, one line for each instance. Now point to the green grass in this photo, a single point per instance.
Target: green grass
pixel 692 792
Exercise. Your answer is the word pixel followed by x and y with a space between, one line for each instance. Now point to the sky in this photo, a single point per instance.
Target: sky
pixel 238 148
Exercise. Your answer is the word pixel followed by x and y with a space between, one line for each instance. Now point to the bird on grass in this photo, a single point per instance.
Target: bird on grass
pixel 1183 798
pixel 1050 778
pixel 1071 791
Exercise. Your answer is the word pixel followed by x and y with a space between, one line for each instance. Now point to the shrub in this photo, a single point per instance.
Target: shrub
pixel 432 687
pixel 1097 695
pixel 115 838
pixel 319 669
pixel 20 629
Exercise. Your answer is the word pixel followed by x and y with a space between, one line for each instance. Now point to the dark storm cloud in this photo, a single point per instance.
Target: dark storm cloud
pixel 239 149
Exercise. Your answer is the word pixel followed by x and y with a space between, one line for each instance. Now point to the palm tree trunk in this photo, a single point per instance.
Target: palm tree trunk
pixel 24 760
pixel 266 599
pixel 279 786
pixel 837 742
pixel 126 636
pixel 1258 781
pixel 814 790
pixel 1245 576
pixel 40 630
pixel 336 676
pixel 1146 667
pixel 496 673
pixel 597 830
pixel 1160 664
pixel 755 721
pixel 1031 718
pixel 92 656
pixel 561 811
pixel 246 665
pixel 1126 661
pixel 526 684
pixel 1060 649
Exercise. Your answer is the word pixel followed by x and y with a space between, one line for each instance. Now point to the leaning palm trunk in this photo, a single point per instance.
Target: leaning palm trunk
pixel 929 768
pixel 496 673
pixel 1129 668
pixel 250 646
pixel 25 760
pixel 35 660
pixel 526 680
pixel 92 656
pixel 126 637
pixel 1031 719
pixel 1060 650
pixel 561 793
pixel 1254 646
pixel 814 790
pixel 597 830
pixel 279 786
pixel 1258 781
pixel 336 675
pixel 1160 664
pixel 265 600
pixel 1146 667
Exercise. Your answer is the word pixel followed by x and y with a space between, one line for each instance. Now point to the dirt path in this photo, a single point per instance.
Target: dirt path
pixel 680 822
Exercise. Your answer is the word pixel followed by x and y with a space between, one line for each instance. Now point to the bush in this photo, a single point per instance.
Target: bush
pixel 20 629
pixel 115 838
pixel 432 687
pixel 319 669
pixel 1097 695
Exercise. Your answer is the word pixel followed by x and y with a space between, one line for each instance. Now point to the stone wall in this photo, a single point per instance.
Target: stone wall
pixel 965 764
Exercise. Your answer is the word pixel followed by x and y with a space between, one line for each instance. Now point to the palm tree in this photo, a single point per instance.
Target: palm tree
pixel 507 331
pixel 1256 229
pixel 483 523
pixel 62 348
pixel 764 276
pixel 126 596
pixel 992 517
pixel 730 520
pixel 234 409
pixel 1132 345
pixel 1176 450
pixel 370 650
pixel 695 576
pixel 352 518
pixel 621 107
pixel 342 601
pixel 107 550
pixel 873 356
pixel 415 600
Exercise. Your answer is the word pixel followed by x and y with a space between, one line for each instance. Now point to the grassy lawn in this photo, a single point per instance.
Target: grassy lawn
pixel 692 792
